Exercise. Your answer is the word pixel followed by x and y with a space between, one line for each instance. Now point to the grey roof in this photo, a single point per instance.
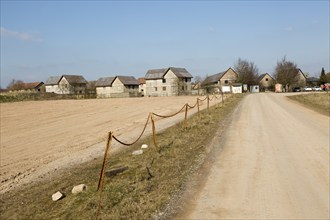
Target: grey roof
pixel 75 79
pixel 181 72
pixel 104 81
pixel 262 76
pixel 155 73
pixel 312 79
pixel 213 79
pixel 160 73
pixel 128 80
pixel 53 80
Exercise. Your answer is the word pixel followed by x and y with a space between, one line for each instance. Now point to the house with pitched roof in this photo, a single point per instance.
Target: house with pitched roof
pixel 66 84
pixel 142 86
pixel 118 86
pixel 103 87
pixel 51 85
pixel 220 82
pixel 266 82
pixel 301 79
pixel 170 81
pixel 32 87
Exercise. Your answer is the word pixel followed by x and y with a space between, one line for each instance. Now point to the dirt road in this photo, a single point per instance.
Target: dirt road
pixel 41 137
pixel 274 164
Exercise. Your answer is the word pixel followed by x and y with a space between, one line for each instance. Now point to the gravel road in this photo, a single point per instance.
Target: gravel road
pixel 273 164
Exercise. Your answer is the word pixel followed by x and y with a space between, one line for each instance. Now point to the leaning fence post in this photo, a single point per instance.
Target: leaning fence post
pixel 101 179
pixel 222 97
pixel 185 116
pixel 153 129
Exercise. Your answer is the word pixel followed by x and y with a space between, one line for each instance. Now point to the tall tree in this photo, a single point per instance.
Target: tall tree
pixel 323 77
pixel 286 73
pixel 247 72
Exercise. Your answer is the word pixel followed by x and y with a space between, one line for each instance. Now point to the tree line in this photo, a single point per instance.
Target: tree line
pixel 285 73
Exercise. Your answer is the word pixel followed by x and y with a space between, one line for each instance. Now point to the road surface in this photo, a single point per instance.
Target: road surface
pixel 274 164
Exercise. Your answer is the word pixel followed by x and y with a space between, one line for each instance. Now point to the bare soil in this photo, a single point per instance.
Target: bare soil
pixel 41 137
pixel 272 163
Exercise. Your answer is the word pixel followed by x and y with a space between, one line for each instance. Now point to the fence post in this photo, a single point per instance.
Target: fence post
pixel 198 105
pixel 185 116
pixel 101 179
pixel 153 129
pixel 208 102
pixel 222 97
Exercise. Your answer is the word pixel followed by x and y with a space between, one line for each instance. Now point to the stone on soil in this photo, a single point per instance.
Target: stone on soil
pixel 79 188
pixel 144 146
pixel 57 196
pixel 137 152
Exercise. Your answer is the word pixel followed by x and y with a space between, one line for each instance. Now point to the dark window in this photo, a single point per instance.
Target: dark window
pixel 266 79
pixel 226 81
pixel 182 87
pixel 164 88
pixel 164 80
pixel 156 89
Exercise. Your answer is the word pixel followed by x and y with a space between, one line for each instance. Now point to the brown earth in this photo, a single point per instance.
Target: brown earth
pixel 42 137
pixel 271 163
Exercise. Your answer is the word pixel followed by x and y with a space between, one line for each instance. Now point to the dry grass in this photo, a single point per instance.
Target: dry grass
pixel 319 102
pixel 133 194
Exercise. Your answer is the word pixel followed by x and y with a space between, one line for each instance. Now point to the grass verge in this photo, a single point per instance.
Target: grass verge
pixel 21 96
pixel 319 102
pixel 134 194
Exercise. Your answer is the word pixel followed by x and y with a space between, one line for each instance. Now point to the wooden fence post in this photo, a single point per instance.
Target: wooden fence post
pixel 101 179
pixel 185 116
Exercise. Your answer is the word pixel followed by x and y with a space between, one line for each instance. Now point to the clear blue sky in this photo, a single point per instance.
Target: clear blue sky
pixel 107 38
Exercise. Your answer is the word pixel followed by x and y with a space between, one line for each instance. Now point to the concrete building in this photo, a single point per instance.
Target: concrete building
pixel 170 81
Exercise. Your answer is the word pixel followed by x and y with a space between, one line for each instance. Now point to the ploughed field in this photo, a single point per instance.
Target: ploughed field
pixel 35 134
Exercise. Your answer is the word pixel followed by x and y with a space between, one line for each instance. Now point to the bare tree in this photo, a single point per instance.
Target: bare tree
pixel 198 79
pixel 16 85
pixel 286 73
pixel 198 82
pixel 247 72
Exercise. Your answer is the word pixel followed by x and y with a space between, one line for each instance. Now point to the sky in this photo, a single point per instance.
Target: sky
pixel 107 38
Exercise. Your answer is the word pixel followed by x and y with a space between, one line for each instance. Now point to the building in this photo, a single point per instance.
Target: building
pixel 196 89
pixel 220 82
pixel 103 87
pixel 312 81
pixel 254 88
pixel 51 84
pixel 66 84
pixel 118 86
pixel 31 87
pixel 300 79
pixel 266 82
pixel 237 88
pixel 142 86
pixel 170 81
